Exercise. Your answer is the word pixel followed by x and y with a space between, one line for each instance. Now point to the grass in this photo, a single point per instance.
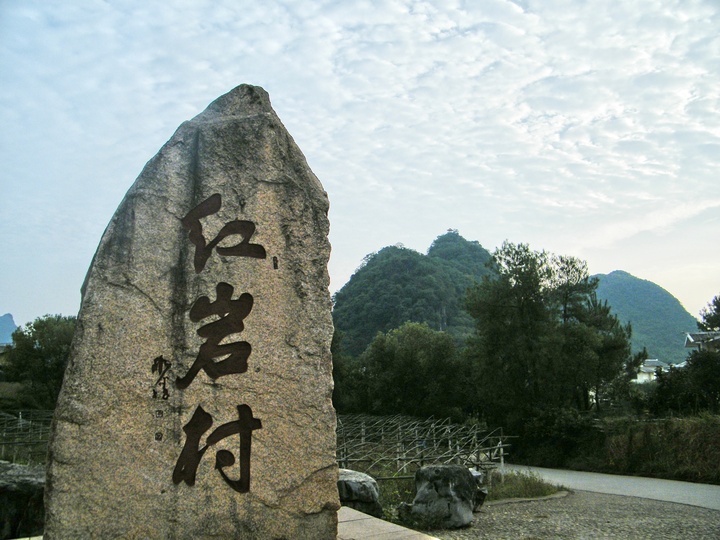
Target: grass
pixel 520 485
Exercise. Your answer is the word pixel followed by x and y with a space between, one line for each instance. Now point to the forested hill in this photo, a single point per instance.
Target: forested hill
pixel 397 284
pixel 658 319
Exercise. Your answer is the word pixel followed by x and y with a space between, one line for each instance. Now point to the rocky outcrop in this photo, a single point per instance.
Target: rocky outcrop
pixel 21 500
pixel 360 491
pixel 445 499
pixel 197 399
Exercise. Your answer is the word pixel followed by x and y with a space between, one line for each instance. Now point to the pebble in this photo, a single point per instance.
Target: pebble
pixel 583 515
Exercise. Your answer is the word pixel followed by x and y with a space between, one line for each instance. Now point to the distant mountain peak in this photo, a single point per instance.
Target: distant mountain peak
pixel 658 319
pixel 7 327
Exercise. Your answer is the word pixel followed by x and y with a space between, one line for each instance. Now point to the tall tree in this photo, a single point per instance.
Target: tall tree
pixel 710 316
pixel 510 351
pixel 38 357
pixel 412 370
pixel 543 339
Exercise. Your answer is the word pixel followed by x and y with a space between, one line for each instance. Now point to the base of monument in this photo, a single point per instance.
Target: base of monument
pixel 354 525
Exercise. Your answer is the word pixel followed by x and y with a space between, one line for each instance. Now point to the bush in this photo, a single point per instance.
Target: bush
pixel 520 485
pixel 555 437
pixel 675 448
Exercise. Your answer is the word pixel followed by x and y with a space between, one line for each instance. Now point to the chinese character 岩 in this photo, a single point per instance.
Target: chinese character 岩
pixel 232 313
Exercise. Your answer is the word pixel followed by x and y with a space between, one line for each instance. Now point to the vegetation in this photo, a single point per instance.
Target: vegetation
pixel 676 448
pixel 520 485
pixel 37 359
pixel 396 285
pixel 544 342
pixel 405 371
pixel 696 387
pixel 710 316
pixel 526 340
pixel 656 316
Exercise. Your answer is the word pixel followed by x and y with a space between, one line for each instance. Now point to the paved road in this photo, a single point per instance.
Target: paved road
pixel 702 495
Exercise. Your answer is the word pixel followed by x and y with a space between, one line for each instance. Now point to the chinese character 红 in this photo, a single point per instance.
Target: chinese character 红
pixel 203 249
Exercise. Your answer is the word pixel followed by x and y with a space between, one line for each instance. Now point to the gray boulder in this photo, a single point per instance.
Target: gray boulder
pixel 21 500
pixel 481 490
pixel 359 491
pixel 445 497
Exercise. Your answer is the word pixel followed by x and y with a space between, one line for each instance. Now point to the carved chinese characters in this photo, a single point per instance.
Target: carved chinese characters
pixel 231 313
pixel 203 250
pixel 187 463
pixel 197 399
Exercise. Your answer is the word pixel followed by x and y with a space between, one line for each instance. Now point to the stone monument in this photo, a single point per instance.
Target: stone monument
pixel 197 399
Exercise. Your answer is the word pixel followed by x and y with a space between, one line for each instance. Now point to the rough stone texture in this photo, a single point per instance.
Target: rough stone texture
pixel 21 500
pixel 359 491
pixel 481 490
pixel 445 496
pixel 114 446
pixel 588 516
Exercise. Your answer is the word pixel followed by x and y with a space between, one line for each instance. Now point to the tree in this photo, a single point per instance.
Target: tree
pixel 397 284
pixel 412 370
pixel 543 340
pixel 509 353
pixel 696 387
pixel 710 316
pixel 38 357
pixel 350 393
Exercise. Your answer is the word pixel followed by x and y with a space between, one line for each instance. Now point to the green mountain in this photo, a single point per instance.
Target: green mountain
pixel 7 327
pixel 396 285
pixel 658 319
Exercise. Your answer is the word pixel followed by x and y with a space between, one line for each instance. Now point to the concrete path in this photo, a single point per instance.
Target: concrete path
pixel 702 495
pixel 354 525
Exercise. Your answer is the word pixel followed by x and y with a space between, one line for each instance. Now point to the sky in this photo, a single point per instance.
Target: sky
pixel 585 128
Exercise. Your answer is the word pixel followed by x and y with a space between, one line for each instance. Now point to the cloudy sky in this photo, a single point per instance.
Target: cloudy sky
pixel 586 128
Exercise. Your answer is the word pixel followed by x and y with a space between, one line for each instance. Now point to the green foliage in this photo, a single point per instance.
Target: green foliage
pixel 397 284
pixel 412 370
pixel 675 448
pixel 520 485
pixel 394 492
pixel 555 437
pixel 658 319
pixel 689 390
pixel 38 358
pixel 543 340
pixel 710 315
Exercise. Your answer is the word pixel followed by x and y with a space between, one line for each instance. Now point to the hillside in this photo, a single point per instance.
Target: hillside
pixel 397 284
pixel 7 327
pixel 658 319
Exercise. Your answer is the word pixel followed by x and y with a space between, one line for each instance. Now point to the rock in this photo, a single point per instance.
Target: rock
pixel 197 398
pixel 481 491
pixel 21 500
pixel 445 497
pixel 360 491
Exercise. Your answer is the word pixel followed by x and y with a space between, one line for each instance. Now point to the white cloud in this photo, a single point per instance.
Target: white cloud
pixel 567 125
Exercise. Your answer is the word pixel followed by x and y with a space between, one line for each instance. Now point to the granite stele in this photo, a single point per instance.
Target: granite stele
pixel 197 399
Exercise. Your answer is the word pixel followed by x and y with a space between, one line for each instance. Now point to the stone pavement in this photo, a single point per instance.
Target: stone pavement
pixel 354 525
